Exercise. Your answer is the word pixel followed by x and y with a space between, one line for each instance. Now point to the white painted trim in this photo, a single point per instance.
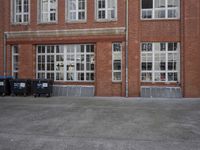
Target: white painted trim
pixel 77 10
pixel 166 11
pixel 65 62
pixel 166 71
pixel 106 19
pixel 113 71
pixel 71 32
pixel 13 15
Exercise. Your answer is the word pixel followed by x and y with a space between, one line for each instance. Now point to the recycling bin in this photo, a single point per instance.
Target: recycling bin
pixel 5 86
pixel 20 87
pixel 42 87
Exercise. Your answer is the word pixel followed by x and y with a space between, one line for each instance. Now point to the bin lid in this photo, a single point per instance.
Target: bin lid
pixel 6 77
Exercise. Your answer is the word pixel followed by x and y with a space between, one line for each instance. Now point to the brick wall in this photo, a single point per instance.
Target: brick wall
pixel 185 30
pixel 1 39
pixel 26 61
pixel 191 43
pixel 62 24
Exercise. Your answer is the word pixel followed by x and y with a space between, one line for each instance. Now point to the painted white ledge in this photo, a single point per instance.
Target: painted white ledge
pixel 66 33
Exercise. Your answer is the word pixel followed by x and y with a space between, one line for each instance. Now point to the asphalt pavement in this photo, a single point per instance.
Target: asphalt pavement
pixel 99 123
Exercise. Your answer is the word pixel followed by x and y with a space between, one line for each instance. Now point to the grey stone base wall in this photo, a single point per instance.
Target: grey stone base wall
pixel 163 92
pixel 73 90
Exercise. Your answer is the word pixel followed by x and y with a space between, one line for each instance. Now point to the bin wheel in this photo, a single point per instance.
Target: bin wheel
pixel 48 95
pixel 12 94
pixel 35 95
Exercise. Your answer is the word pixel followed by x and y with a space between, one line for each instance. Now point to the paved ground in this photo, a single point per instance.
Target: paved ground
pixel 62 123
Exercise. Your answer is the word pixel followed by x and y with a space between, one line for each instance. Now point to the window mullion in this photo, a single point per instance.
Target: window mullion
pixel 153 12
pixel 75 70
pixel 45 62
pixel 166 61
pixel 85 68
pixel 48 11
pixel 22 13
pixel 77 10
pixel 106 9
pixel 166 9
pixel 14 10
pixel 65 62
pixel 153 62
pixel 55 62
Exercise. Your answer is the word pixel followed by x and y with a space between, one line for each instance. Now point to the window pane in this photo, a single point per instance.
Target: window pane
pixel 59 76
pixel 117 64
pixel 159 13
pixel 159 3
pixel 173 3
pixel 147 4
pixel 146 13
pixel 117 76
pixel 172 13
pixel 146 47
pixel 146 77
pixel 81 77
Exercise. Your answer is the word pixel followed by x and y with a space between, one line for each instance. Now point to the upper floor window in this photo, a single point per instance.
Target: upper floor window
pixel 47 11
pixel 106 9
pixel 160 9
pixel 76 10
pixel 20 11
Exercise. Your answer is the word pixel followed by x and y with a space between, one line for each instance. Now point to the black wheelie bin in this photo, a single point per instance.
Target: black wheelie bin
pixel 5 85
pixel 42 87
pixel 20 87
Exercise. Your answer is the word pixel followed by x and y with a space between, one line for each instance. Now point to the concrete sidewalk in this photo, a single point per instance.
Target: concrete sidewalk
pixel 99 123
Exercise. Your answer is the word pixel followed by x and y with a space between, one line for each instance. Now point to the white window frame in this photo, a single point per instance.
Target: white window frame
pixel 76 11
pixel 66 53
pixel 106 9
pixel 14 54
pixel 48 12
pixel 166 71
pixel 166 9
pixel 114 54
pixel 14 13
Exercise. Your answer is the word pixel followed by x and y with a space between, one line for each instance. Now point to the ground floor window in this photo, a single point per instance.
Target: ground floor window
pixel 66 62
pixel 160 62
pixel 116 62
pixel 15 61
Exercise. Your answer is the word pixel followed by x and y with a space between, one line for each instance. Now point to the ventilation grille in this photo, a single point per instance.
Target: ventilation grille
pixel 73 91
pixel 165 92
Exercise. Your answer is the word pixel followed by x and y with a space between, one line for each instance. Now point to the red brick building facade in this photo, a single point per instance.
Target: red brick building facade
pixel 88 42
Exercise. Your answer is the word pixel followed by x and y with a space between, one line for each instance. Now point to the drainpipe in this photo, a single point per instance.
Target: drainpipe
pixel 126 30
pixel 4 55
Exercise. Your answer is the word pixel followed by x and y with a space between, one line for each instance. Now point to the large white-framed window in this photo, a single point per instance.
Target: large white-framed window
pixel 20 11
pixel 106 10
pixel 116 62
pixel 160 62
pixel 66 62
pixel 48 11
pixel 15 61
pixel 76 10
pixel 160 9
